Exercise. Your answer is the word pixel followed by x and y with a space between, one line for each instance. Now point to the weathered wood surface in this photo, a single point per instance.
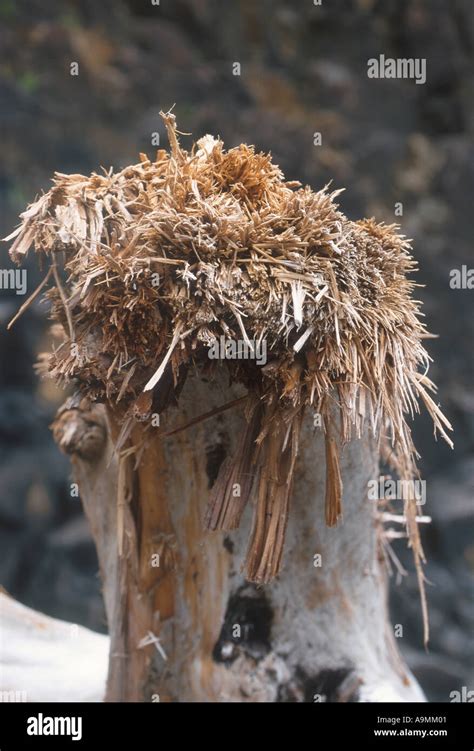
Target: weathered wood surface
pixel 316 633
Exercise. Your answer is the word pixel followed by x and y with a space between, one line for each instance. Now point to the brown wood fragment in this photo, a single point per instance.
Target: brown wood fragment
pixel 334 488
pixel 276 464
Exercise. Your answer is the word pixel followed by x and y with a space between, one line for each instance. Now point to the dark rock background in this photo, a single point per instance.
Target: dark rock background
pixel 304 70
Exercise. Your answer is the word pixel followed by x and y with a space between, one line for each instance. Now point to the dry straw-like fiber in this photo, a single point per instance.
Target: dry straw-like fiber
pixel 166 256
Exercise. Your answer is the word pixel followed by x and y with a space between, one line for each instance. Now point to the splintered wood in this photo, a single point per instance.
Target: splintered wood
pixel 166 257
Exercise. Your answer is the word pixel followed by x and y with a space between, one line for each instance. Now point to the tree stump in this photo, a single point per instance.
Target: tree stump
pixel 184 624
pixel 172 265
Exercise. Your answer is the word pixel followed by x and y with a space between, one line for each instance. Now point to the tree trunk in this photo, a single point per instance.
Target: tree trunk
pixel 184 624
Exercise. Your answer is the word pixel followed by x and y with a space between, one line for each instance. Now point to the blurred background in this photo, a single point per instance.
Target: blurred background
pixel 303 70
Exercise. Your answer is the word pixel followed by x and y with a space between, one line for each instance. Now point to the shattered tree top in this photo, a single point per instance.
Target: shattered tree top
pixel 167 256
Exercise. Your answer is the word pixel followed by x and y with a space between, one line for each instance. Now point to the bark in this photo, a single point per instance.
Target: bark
pixel 192 629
